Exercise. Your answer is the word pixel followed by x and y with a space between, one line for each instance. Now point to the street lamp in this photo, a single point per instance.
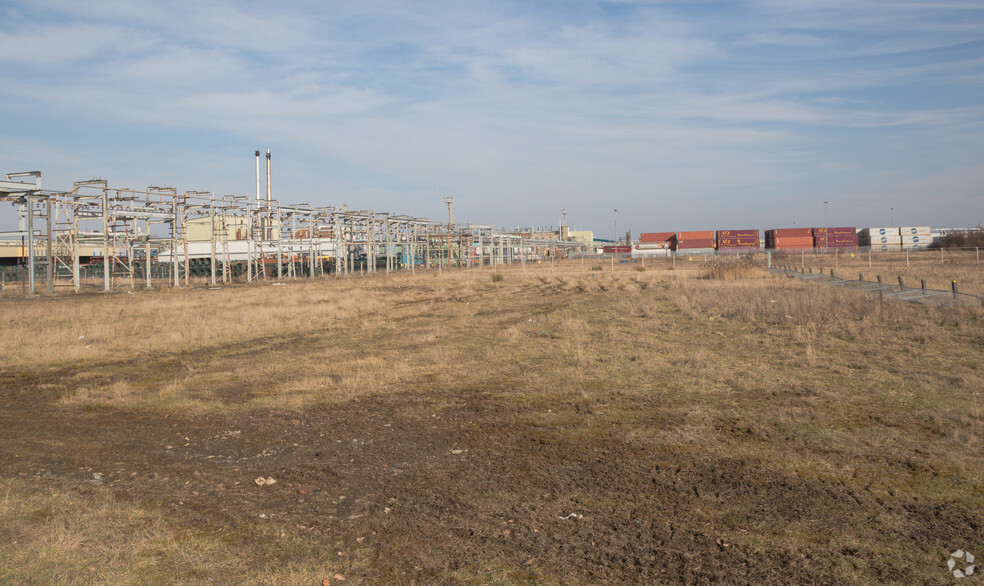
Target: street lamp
pixel 615 223
pixel 893 216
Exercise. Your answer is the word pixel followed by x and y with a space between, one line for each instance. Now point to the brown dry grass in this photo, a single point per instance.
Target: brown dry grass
pixel 938 268
pixel 813 383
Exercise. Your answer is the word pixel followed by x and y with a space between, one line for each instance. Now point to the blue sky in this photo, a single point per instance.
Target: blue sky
pixel 681 115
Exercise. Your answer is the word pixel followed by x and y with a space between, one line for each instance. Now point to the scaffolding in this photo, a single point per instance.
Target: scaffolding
pixel 122 238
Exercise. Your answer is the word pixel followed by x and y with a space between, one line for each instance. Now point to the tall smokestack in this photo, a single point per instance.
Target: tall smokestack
pixel 269 198
pixel 257 176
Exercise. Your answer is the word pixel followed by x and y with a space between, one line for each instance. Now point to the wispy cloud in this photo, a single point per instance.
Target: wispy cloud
pixel 517 106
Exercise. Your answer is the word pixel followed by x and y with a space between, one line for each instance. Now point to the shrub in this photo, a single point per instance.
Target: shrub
pixel 732 269
pixel 964 239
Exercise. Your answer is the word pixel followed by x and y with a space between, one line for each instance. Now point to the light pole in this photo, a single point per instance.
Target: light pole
pixel 893 216
pixel 615 224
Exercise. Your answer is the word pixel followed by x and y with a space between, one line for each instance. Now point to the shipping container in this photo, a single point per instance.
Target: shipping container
pixel 793 246
pixel 797 242
pixel 709 234
pixel 838 240
pixel 650 252
pixel 651 237
pixel 654 245
pixel 620 249
pixel 840 237
pixel 914 246
pixel 917 239
pixel 737 234
pixel 695 251
pixel 837 231
pixel 916 230
pixel 794 232
pixel 892 239
pixel 695 243
pixel 886 247
pixel 881 231
pixel 738 249
pixel 739 242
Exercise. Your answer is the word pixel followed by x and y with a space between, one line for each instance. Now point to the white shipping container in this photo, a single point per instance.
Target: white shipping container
pixel 916 230
pixel 881 232
pixel 917 239
pixel 650 252
pixel 914 246
pixel 886 247
pixel 894 239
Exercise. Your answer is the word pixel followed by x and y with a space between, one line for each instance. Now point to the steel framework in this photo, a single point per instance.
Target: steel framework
pixel 159 236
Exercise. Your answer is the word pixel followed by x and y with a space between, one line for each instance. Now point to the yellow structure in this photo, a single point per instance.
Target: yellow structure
pixel 583 236
pixel 10 249
pixel 200 229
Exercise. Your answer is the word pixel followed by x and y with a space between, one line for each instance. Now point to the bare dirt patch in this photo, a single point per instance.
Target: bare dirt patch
pixel 529 429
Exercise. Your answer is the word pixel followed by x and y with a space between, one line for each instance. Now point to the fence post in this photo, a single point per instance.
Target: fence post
pixel 901 286
pixel 955 292
pixel 923 284
pixel 879 280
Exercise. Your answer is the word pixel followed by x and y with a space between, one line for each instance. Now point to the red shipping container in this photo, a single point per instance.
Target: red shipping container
pixel 617 249
pixel 822 236
pixel 836 240
pixel 698 235
pixel 749 241
pixel 696 243
pixel 793 243
pixel 737 234
pixel 652 237
pixel 793 232
pixel 835 231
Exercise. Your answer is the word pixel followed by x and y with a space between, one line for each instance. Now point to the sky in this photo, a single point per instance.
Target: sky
pixel 679 115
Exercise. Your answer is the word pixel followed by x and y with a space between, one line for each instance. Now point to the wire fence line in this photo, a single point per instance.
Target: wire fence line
pixel 899 290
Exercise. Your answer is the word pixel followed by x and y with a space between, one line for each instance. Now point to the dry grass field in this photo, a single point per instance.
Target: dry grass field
pixel 559 424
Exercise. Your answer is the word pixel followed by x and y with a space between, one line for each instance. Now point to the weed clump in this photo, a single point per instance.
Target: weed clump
pixel 496 277
pixel 732 269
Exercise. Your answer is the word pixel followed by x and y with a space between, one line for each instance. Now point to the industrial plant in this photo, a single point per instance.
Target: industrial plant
pixel 97 236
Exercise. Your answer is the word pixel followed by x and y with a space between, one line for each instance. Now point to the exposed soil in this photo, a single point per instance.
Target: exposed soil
pixel 444 484
pixel 417 491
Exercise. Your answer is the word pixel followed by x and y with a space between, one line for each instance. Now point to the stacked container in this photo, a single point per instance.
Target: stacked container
pixel 654 244
pixel 649 240
pixel 789 238
pixel 827 238
pixel 881 239
pixel 916 237
pixel 701 242
pixel 738 240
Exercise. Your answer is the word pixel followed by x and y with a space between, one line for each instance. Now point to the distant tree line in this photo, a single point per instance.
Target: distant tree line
pixel 973 238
